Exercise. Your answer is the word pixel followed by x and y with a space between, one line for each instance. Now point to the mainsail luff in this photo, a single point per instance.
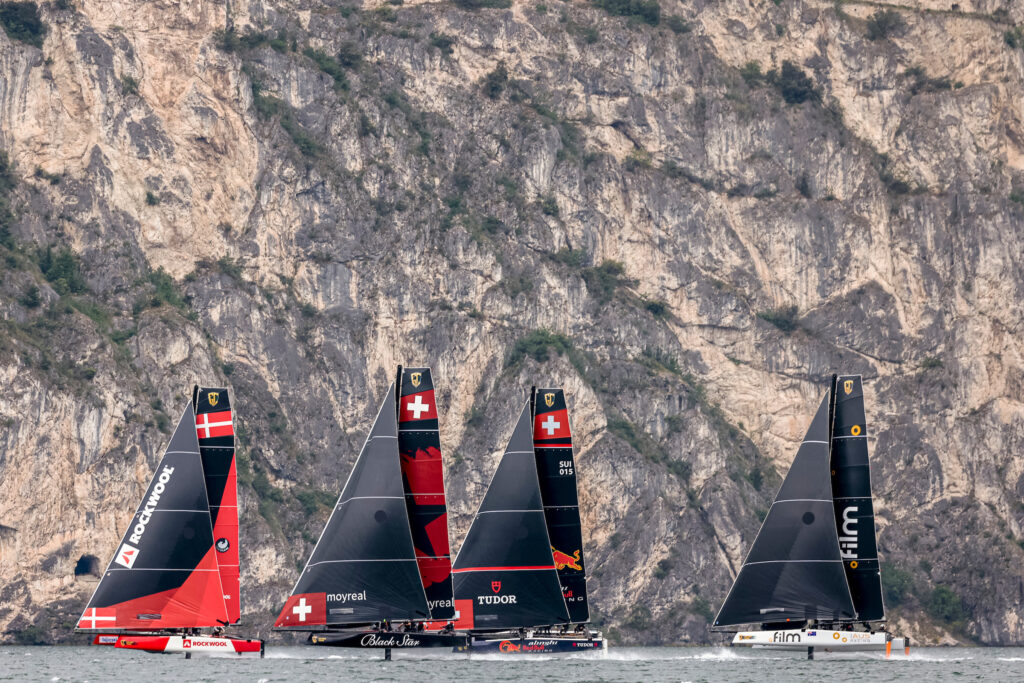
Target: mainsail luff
pixel 851 489
pixel 216 434
pixel 793 571
pixel 164 573
pixel 504 574
pixel 556 471
pixel 363 569
pixel 419 446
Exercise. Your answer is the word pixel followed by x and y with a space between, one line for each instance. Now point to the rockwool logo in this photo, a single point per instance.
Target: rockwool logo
pixel 848 541
pixel 126 556
pixel 151 504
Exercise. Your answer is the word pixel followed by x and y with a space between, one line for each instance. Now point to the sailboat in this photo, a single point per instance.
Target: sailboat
pixel 176 570
pixel 812 579
pixel 383 556
pixel 520 583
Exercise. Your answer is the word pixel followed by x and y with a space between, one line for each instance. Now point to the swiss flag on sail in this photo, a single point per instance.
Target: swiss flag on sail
pixel 553 425
pixel 303 609
pixel 419 406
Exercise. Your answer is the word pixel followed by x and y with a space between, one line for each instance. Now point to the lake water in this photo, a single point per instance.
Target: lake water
pixel 291 664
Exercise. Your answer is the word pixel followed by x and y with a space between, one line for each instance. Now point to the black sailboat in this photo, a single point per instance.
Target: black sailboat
pixel 811 578
pixel 509 592
pixel 363 574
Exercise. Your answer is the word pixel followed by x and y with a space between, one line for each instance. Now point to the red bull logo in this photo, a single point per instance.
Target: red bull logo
pixel 562 560
pixel 509 646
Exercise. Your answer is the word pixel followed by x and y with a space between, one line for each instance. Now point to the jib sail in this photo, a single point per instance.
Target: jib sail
pixel 851 488
pixel 363 569
pixel 793 571
pixel 556 469
pixel 164 573
pixel 419 445
pixel 504 575
pixel 216 433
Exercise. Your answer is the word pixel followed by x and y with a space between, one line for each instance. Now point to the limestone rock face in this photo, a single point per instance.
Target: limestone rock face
pixel 291 197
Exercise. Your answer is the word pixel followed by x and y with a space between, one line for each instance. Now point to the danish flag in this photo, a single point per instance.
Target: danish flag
pixel 214 424
pixel 97 617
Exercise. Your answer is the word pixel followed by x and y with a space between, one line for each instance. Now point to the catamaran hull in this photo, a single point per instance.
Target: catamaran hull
pixel 181 644
pixel 821 640
pixel 534 646
pixel 376 640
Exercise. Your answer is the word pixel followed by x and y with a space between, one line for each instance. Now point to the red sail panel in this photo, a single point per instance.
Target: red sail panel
pixel 303 609
pixel 216 434
pixel 197 602
pixel 419 444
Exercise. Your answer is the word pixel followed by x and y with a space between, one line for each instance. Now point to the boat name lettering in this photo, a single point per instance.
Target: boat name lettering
pixel 373 640
pixel 345 597
pixel 496 600
pixel 154 498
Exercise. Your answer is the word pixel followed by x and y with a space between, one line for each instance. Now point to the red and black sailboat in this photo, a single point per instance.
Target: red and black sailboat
pixel 515 590
pixel 176 569
pixel 365 573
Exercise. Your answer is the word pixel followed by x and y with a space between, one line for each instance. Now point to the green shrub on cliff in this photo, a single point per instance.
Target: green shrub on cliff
pixel 21 22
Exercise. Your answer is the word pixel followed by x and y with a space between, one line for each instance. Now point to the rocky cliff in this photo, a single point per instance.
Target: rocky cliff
pixel 688 214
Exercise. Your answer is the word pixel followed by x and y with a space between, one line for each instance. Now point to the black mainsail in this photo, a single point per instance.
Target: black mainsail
pixel 851 489
pixel 793 572
pixel 363 569
pixel 556 470
pixel 504 575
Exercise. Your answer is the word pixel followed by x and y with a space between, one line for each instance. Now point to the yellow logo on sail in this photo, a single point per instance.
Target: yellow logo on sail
pixel 848 386
pixel 549 399
pixel 213 397
pixel 415 378
pixel 855 430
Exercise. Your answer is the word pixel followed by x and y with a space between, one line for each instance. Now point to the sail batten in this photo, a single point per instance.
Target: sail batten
pixel 504 575
pixel 363 568
pixel 793 571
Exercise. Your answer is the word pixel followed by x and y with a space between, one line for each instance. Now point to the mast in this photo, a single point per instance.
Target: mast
pixel 556 469
pixel 363 568
pixel 216 433
pixel 165 573
pixel 419 446
pixel 793 572
pixel 504 575
pixel 851 488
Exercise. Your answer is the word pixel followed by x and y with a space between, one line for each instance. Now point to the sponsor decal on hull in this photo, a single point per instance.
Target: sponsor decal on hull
pixel 374 640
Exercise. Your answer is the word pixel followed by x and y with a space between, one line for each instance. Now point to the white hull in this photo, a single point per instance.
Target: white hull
pixel 822 640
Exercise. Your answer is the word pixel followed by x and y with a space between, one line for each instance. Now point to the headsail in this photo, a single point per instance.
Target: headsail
pixel 363 569
pixel 504 575
pixel 793 571
pixel 419 444
pixel 216 432
pixel 851 487
pixel 164 574
pixel 556 469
